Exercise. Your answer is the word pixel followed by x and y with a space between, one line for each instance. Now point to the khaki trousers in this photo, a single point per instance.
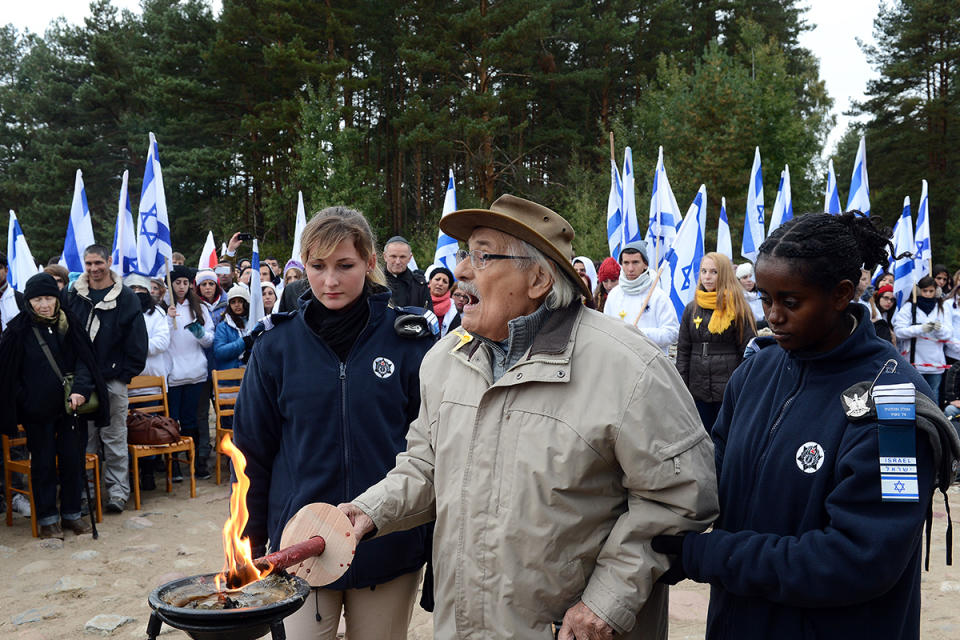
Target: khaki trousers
pixel 382 613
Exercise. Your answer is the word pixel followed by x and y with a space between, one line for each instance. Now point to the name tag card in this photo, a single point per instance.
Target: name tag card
pixel 896 404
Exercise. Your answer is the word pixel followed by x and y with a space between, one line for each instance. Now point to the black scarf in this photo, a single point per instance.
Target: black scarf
pixel 339 329
pixel 926 304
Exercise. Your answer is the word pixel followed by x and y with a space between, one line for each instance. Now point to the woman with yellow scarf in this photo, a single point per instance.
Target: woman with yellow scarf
pixel 714 331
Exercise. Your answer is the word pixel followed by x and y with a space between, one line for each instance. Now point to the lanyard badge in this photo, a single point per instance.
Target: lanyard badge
pixel 895 398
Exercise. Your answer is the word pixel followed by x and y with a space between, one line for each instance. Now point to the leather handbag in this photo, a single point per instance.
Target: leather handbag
pixel 148 428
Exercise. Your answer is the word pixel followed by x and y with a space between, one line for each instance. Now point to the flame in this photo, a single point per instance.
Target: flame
pixel 238 567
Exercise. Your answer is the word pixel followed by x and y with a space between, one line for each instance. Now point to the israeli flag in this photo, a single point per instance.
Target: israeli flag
pixel 903 275
pixel 79 228
pixel 923 255
pixel 615 213
pixel 664 214
pixel 831 197
pixel 783 205
pixel 153 240
pixel 257 312
pixel 124 238
pixel 683 258
pixel 631 230
pixel 859 197
pixel 446 253
pixel 724 244
pixel 298 228
pixel 20 264
pixel 753 220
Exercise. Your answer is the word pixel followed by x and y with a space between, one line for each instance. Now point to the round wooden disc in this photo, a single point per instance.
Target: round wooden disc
pixel 319 519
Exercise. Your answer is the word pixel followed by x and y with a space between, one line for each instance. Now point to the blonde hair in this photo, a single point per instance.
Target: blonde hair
pixel 333 225
pixel 729 289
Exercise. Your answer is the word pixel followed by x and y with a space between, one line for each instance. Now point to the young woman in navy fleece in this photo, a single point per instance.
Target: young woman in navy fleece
pixel 805 548
pixel 326 401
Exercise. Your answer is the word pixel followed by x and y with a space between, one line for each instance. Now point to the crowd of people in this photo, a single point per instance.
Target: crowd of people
pixel 536 438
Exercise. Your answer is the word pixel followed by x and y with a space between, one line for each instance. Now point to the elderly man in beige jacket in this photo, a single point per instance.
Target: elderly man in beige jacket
pixel 552 444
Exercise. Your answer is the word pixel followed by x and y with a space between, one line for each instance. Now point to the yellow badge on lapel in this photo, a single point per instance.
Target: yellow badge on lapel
pixel 464 339
pixel 696 321
pixel 623 314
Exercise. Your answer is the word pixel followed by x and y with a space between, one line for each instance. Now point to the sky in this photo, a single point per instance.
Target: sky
pixel 837 25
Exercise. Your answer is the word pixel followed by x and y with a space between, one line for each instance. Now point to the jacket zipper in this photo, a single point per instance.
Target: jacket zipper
pixel 772 432
pixel 343 424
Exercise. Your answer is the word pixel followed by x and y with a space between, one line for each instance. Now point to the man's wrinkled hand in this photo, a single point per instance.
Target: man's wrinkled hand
pixel 362 524
pixel 580 623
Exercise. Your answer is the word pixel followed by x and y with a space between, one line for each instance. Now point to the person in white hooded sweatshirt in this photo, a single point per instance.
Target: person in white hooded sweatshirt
pixel 191 330
pixel 750 293
pixel 658 320
pixel 922 329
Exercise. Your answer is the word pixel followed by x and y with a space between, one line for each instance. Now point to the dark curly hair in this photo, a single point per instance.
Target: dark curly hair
pixel 829 248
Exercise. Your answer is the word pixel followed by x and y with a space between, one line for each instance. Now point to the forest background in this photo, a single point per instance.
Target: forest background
pixel 369 103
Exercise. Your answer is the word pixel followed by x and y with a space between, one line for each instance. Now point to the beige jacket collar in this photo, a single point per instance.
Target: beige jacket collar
pixel 82 287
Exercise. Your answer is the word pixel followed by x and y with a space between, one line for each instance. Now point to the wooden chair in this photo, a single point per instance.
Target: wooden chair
pixel 11 466
pixel 224 401
pixel 157 403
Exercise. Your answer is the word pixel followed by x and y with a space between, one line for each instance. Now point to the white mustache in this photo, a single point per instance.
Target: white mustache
pixel 468 288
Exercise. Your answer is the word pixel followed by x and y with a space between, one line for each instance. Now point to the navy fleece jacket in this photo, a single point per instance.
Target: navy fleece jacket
pixel 314 429
pixel 796 554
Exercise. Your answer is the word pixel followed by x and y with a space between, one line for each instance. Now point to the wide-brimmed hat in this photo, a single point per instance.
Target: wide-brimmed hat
pixel 542 228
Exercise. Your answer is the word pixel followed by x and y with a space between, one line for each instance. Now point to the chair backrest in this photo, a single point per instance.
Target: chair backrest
pixel 19 440
pixel 226 385
pixel 150 402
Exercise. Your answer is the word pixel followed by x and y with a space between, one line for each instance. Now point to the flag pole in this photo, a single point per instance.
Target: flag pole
pixel 646 300
pixel 613 156
pixel 173 296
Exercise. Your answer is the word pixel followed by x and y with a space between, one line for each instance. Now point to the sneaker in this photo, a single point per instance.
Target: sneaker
pixel 177 475
pixel 116 505
pixel 78 526
pixel 20 504
pixel 202 474
pixel 51 531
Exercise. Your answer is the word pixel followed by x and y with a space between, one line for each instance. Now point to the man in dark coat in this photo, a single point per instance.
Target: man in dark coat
pixel 409 289
pixel 110 314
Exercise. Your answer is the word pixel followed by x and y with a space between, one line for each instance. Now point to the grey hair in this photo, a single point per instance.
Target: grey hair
pixel 563 292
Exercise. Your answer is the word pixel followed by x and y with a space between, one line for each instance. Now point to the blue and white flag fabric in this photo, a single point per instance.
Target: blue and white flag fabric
pixel 631 229
pixel 903 276
pixel 153 240
pixel 257 312
pixel 859 197
pixel 683 258
pixel 298 228
pixel 615 213
pixel 783 205
pixel 446 253
pixel 724 244
pixel 20 264
pixel 124 237
pixel 753 220
pixel 923 254
pixel 664 214
pixel 79 228
pixel 831 196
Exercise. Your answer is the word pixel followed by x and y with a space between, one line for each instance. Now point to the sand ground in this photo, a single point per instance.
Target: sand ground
pixel 52 593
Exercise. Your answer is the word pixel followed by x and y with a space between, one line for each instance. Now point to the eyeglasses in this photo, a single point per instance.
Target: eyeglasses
pixel 460 296
pixel 478 259
pixel 888 298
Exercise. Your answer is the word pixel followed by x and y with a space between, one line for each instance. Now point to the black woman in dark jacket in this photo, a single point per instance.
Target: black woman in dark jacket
pixel 33 396
pixel 714 331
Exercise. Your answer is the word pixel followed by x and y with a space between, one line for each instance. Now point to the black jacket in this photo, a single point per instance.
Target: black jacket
pixel 707 360
pixel 291 292
pixel 409 289
pixel 116 327
pixel 331 434
pixel 30 390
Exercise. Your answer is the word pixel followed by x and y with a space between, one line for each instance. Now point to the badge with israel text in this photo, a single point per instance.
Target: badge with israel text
pixel 896 403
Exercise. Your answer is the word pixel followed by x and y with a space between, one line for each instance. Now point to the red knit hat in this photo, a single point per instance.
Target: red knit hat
pixel 884 289
pixel 609 270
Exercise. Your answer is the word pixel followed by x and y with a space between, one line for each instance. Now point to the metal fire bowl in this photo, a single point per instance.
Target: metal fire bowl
pixel 225 624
